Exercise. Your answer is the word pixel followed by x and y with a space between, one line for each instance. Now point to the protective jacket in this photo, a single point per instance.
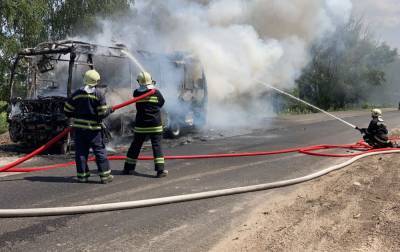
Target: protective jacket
pixel 87 109
pixel 377 129
pixel 148 115
pixel 376 134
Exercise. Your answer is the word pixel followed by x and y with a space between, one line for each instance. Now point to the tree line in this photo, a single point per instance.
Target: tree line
pixel 26 23
pixel 345 66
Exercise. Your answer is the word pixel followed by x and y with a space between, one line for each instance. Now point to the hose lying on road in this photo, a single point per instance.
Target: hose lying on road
pixel 34 212
pixel 64 133
pixel 219 155
pixel 310 150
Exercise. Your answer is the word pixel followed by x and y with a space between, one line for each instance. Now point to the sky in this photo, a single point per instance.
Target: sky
pixel 383 16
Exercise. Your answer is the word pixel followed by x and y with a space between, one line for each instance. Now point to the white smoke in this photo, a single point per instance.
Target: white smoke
pixel 237 41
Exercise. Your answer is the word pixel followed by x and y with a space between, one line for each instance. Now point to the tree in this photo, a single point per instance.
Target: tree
pixel 25 23
pixel 74 17
pixel 21 25
pixel 344 67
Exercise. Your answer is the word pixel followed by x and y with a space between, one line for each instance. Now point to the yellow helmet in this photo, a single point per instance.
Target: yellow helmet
pixel 91 78
pixel 376 112
pixel 144 78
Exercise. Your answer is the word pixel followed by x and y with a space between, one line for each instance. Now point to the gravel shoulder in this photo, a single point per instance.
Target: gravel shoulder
pixel 354 209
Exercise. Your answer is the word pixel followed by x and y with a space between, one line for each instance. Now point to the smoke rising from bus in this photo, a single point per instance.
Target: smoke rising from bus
pixel 237 41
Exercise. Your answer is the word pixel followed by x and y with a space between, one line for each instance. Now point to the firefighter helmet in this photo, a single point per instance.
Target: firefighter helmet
pixel 91 78
pixel 144 78
pixel 376 112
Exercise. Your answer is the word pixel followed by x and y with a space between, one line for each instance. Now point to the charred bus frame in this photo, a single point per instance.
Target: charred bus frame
pixel 40 118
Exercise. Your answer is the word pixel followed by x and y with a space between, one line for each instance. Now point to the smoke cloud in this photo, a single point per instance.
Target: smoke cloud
pixel 237 41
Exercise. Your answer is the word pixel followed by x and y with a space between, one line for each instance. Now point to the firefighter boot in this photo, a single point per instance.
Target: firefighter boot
pixel 128 172
pixel 129 166
pixel 106 179
pixel 83 177
pixel 162 173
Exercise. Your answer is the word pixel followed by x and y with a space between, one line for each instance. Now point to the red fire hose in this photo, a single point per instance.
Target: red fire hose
pixel 360 146
pixel 129 102
pixel 244 154
pixel 64 133
pixel 310 150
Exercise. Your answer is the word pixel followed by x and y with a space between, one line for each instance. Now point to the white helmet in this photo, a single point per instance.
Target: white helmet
pixel 91 78
pixel 376 112
pixel 144 78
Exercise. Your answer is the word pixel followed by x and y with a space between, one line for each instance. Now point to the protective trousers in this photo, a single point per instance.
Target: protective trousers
pixel 84 140
pixel 134 150
pixel 377 142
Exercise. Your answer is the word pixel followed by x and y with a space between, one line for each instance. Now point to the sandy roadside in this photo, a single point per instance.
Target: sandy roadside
pixel 354 209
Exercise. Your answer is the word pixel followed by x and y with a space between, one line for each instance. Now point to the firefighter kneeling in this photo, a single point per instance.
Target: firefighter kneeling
pixel 87 107
pixel 148 124
pixel 376 135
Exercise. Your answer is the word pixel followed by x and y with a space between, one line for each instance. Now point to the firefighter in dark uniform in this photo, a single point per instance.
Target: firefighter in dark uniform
pixel 86 108
pixel 148 124
pixel 376 135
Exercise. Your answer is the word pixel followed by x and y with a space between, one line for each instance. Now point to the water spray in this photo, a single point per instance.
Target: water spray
pixel 308 104
pixel 134 60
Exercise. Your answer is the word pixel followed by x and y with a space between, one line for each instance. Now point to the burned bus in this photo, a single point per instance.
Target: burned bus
pixel 43 77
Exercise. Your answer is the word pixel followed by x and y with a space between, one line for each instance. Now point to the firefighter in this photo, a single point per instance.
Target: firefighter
pixel 87 107
pixel 376 135
pixel 148 124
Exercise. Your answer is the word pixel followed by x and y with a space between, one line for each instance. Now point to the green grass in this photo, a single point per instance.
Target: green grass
pixel 3 117
pixel 3 122
pixel 3 106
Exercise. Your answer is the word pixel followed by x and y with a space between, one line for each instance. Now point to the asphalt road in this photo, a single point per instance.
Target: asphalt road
pixel 189 226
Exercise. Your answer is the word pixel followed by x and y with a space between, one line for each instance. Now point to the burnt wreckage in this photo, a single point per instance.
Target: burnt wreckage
pixel 43 77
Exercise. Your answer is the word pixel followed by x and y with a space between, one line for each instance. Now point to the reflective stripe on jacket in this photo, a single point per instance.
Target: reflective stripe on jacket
pixel 151 99
pixel 87 109
pixel 85 124
pixel 148 113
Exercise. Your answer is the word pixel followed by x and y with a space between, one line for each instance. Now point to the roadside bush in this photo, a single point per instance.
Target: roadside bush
pixel 3 106
pixel 3 117
pixel 3 122
pixel 345 67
